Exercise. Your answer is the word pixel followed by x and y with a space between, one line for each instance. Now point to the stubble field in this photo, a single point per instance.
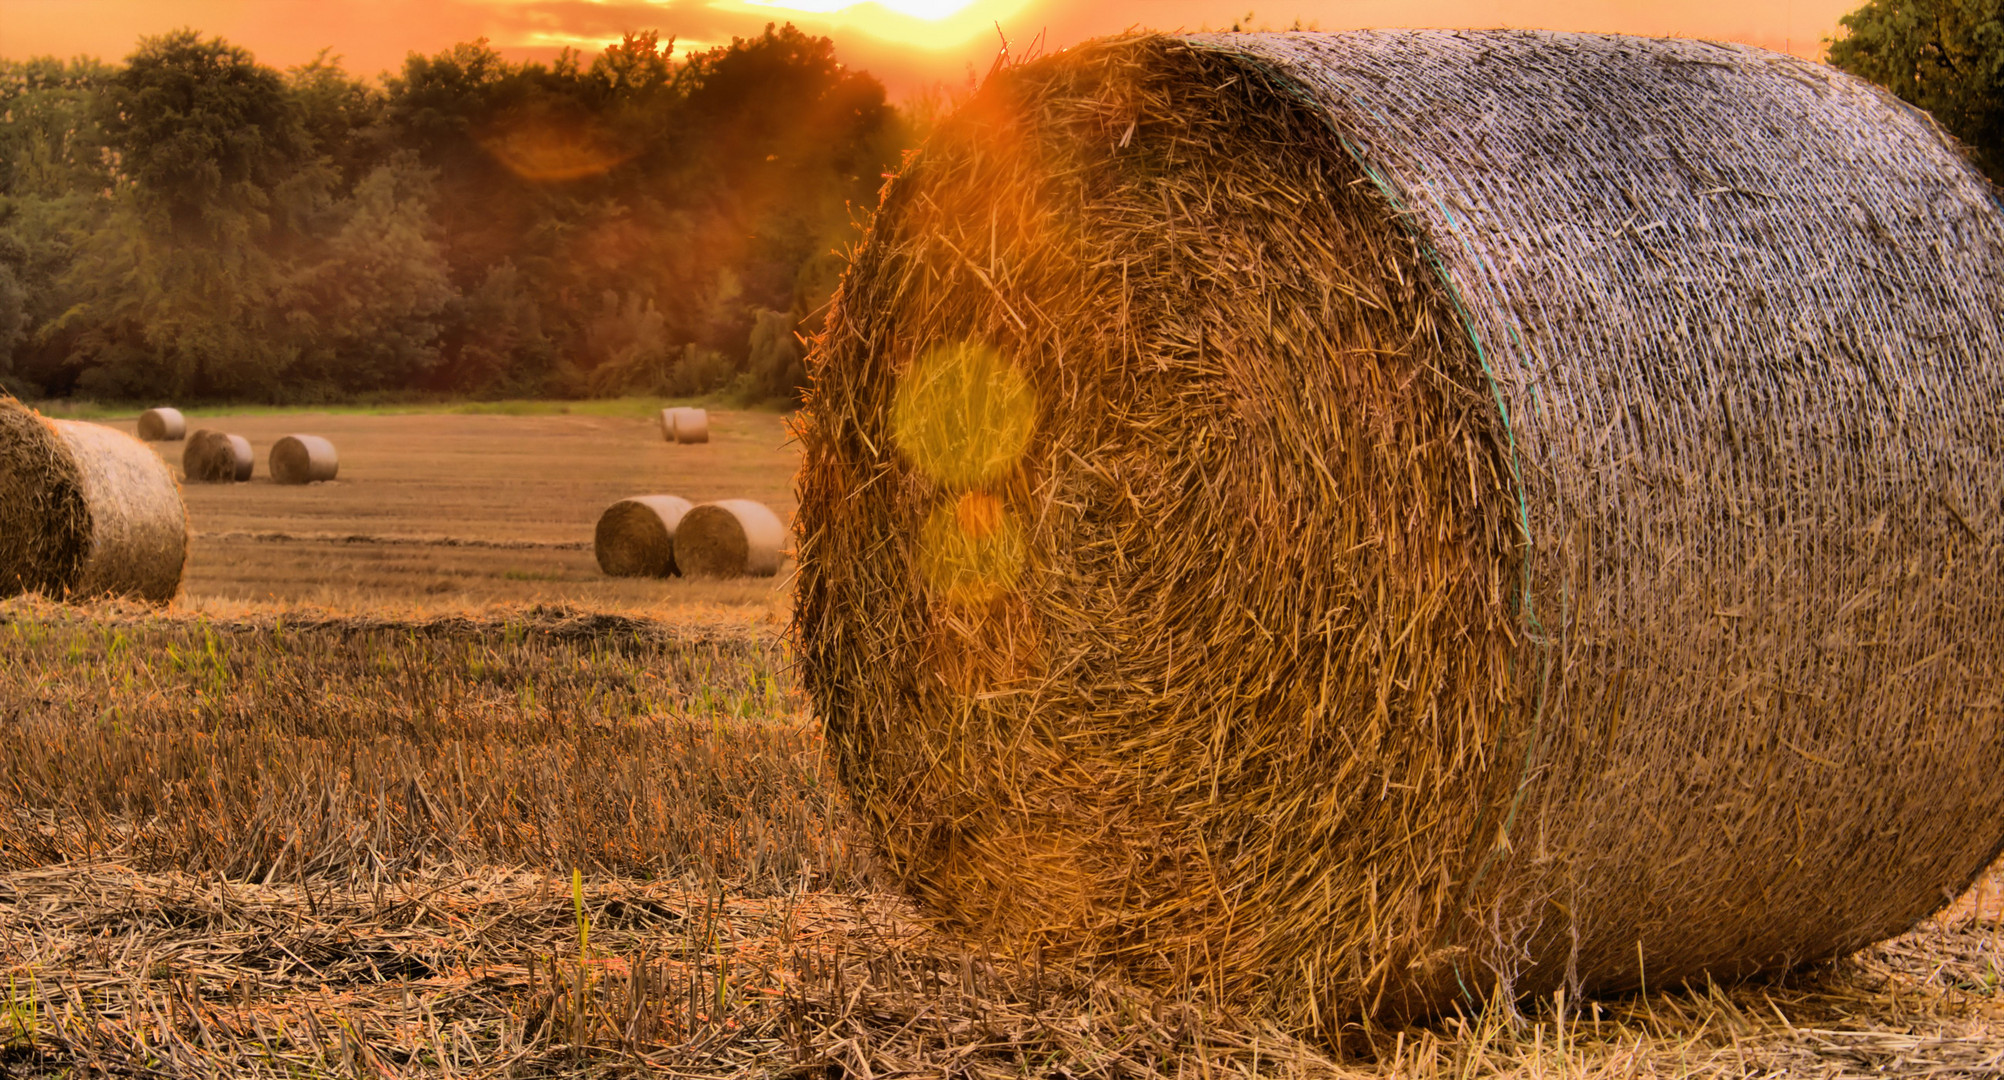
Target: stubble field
pixel 402 787
pixel 456 512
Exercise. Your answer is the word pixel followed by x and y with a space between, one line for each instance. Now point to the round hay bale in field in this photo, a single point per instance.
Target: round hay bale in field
pixel 162 425
pixel 636 537
pixel 216 457
pixel 303 459
pixel 1355 522
pixel 85 511
pixel 731 538
pixel 686 425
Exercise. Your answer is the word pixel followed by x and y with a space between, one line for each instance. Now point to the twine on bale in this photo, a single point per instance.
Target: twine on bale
pixel 162 425
pixel 85 511
pixel 730 538
pixel 1356 523
pixel 303 459
pixel 636 537
pixel 216 457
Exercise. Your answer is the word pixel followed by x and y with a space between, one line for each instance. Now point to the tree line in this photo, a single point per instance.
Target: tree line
pixel 193 225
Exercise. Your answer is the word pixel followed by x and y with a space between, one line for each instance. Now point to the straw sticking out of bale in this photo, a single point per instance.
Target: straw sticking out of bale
pixel 1245 542
pixel 162 425
pixel 85 511
pixel 216 457
pixel 636 537
pixel 303 459
pixel 685 425
pixel 731 538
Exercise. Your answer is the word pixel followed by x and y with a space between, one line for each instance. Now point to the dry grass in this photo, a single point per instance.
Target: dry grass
pixel 305 845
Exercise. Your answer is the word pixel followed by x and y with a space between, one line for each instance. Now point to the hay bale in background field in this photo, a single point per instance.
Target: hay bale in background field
pixel 162 425
pixel 1388 516
pixel 730 538
pixel 303 459
pixel 685 425
pixel 216 457
pixel 636 537
pixel 85 511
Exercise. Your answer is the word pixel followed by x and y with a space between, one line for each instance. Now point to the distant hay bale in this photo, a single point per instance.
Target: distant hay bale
pixel 85 511
pixel 727 539
pixel 636 537
pixel 162 425
pixel 685 425
pixel 1355 522
pixel 303 459
pixel 216 457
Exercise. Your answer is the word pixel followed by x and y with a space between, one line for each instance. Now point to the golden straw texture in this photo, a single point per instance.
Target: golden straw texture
pixel 162 425
pixel 303 459
pixel 730 538
pixel 685 425
pixel 85 511
pixel 636 537
pixel 1352 524
pixel 216 457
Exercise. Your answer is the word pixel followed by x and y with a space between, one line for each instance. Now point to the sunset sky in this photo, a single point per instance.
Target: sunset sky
pixel 908 43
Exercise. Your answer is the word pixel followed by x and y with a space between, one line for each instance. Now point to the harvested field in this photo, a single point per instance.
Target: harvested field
pixel 312 846
pixel 453 512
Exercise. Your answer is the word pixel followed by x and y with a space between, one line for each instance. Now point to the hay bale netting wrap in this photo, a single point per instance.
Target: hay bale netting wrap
pixel 686 425
pixel 216 457
pixel 1351 522
pixel 636 537
pixel 730 538
pixel 85 511
pixel 162 425
pixel 303 459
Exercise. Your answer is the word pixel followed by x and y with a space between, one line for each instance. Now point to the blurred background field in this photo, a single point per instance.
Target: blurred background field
pixel 456 510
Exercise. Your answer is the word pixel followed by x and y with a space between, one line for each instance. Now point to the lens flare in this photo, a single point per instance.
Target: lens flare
pixel 963 415
pixel 971 566
pixel 546 149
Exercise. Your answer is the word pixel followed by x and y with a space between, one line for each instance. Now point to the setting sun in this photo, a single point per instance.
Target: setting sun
pixel 925 24
pixel 918 9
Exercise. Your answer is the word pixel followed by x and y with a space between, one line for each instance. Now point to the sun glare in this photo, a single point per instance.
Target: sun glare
pixel 926 24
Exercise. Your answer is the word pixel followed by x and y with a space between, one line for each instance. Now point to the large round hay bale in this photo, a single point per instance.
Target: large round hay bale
pixel 636 537
pixel 303 459
pixel 1353 522
pixel 731 538
pixel 686 425
pixel 85 511
pixel 162 425
pixel 216 457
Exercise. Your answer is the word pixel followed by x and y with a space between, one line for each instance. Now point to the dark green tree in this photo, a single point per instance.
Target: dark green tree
pixel 1945 56
pixel 204 132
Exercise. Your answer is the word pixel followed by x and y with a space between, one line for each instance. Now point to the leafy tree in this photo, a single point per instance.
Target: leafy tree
pixel 340 115
pixel 173 283
pixel 194 224
pixel 50 144
pixel 203 130
pixel 1945 56
pixel 366 310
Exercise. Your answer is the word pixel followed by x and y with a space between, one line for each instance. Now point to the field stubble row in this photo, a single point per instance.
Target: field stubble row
pixel 553 842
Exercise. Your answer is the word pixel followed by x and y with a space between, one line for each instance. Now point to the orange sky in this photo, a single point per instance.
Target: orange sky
pixel 908 43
